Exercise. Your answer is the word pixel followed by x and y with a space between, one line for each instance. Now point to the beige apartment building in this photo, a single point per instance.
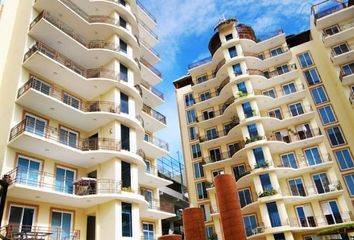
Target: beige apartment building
pixel 275 111
pixel 77 132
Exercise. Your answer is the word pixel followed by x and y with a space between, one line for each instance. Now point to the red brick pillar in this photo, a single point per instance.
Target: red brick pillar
pixel 193 224
pixel 170 237
pixel 229 207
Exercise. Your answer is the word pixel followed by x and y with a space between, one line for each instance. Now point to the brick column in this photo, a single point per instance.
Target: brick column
pixel 229 207
pixel 170 237
pixel 193 224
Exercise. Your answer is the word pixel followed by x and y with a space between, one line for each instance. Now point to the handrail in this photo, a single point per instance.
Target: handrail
pixel 296 136
pixel 199 62
pixel 148 46
pixel 146 11
pixel 329 10
pixel 152 68
pixel 225 155
pixel 152 89
pixel 147 28
pixel 270 35
pixel 219 134
pixel 155 114
pixel 158 142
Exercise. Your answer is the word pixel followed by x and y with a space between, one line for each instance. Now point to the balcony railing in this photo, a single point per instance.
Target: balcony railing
pixel 155 114
pixel 15 232
pixel 152 68
pixel 148 29
pixel 224 155
pixel 200 62
pixel 270 35
pixel 283 50
pixel 153 89
pixel 67 62
pixel 328 7
pixel 296 136
pixel 321 221
pixel 146 11
pixel 303 163
pixel 148 46
pixel 271 74
pixel 209 137
pixel 157 142
pixel 350 48
pixel 340 29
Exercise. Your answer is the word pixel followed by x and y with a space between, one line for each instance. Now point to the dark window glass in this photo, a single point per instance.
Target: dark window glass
pixel 124 103
pixel 127 226
pixel 125 137
pixel 123 73
pixel 126 175
pixel 273 214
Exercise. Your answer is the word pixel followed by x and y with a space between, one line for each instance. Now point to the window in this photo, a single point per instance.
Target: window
pixel 215 154
pixel 232 52
pixel 313 156
pixel 148 195
pixel 242 87
pixel 189 100
pixel 305 60
pixel 21 218
pixel 217 172
pixel 40 85
pixel 209 231
pixel 124 103
pixel 260 56
pixel 233 148
pixel 319 95
pixel 148 231
pixel 265 181
pixel 297 187
pixel 305 216
pixel 122 22
pixel 206 212
pixel 198 170
pixel 211 134
pixel 245 197
pixel 273 214
pixel 63 221
pixel 205 96
pixel 123 73
pixel 259 156
pixel 239 170
pixel 252 130
pixel 123 2
pixel 321 182
pixel 229 37
pixel 247 109
pixel 348 69
pixel 296 109
pixel 71 101
pixel 125 137
pixel 127 226
pixel 270 93
pixel 250 223
pixel 331 30
pixel 312 76
pixel 208 114
pixel 126 175
pixel 335 136
pixel 282 69
pixel 191 116
pixel 237 69
pixel 340 49
pixel 202 79
pixel 192 133
pixel 148 167
pixel 289 160
pixel 196 151
pixel 289 88
pixel 276 113
pixel 349 179
pixel 68 137
pixel 201 190
pixel 28 171
pixel 279 236
pixel 344 158
pixel 276 51
pixel 304 131
pixel 331 212
pixel 123 46
pixel 327 115
pixel 64 180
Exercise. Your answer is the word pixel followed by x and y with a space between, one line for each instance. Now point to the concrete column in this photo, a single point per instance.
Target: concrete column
pixel 267 155
pixel 229 208
pixel 264 215
pixel 260 129
pixel 245 133
pixel 193 224
pixel 289 236
pixel 257 184
pixel 255 108
pixel 282 213
pixel 251 159
pixel 274 180
pixel 170 237
pixel 240 112
pixel 249 86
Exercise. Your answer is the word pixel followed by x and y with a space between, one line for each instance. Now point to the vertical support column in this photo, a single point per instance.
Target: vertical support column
pixel 193 224
pixel 264 215
pixel 251 158
pixel 229 208
pixel 274 181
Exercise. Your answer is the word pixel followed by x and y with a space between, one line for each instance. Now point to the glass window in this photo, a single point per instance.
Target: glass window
pixel 217 172
pixel 312 76
pixel 250 224
pixel 123 73
pixel 192 133
pixel 64 180
pixel 209 232
pixel 71 100
pixel 270 93
pixel 126 175
pixel 305 216
pixel 202 79
pixel 201 190
pixel 273 214
pixel 319 95
pixel 276 113
pixel 331 212
pixel 349 179
pixel 340 49
pixel 41 86
pixel 28 171
pixel 148 231
pixel 125 137
pixel 189 100
pixel 289 88
pixel 313 156
pixel 123 2
pixel 228 37
pixel 245 197
pixel 296 109
pixel 297 187
pixel 289 160
pixel 259 156
pixel 124 103
pixel 233 148
pixel 327 115
pixel 196 151
pixel 191 116
pixel 242 87
pixel 211 133
pixel 331 30
pixel 206 211
pixel 348 69
pixel 63 221
pixel 279 236
pixel 127 225
pixel 239 171
pixel 21 218
pixel 232 52
pixel 198 170
pixel 265 181
pixel 321 182
pixel 68 137
pixel 215 154
pixel 237 69
pixel 123 46
pixel 335 136
pixel 205 96
pixel 252 130
pixel 208 114
pixel 122 22
pixel 305 60
pixel 344 158
pixel 276 51
pixel 247 109
pixel 282 69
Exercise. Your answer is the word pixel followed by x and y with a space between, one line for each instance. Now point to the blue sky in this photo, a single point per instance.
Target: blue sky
pixel 185 27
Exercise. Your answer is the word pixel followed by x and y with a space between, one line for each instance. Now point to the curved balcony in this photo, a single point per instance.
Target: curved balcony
pixel 151 95
pixel 62 70
pixel 346 56
pixel 83 152
pixel 148 52
pixel 81 193
pixel 153 120
pixel 345 32
pixel 147 33
pixel 347 79
pixel 86 115
pixel 155 147
pixel 148 72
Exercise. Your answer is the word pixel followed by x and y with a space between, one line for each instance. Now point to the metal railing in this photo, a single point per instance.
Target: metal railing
pixel 157 142
pixel 218 134
pixel 148 46
pixel 274 73
pixel 148 29
pixel 155 114
pixel 332 7
pixel 312 191
pixel 303 163
pixel 321 221
pixel 296 136
pixel 224 155
pixel 284 49
pixel 270 35
pixel 152 68
pixel 16 231
pixel 200 62
pixel 152 89
pixel 146 11
pixel 67 62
